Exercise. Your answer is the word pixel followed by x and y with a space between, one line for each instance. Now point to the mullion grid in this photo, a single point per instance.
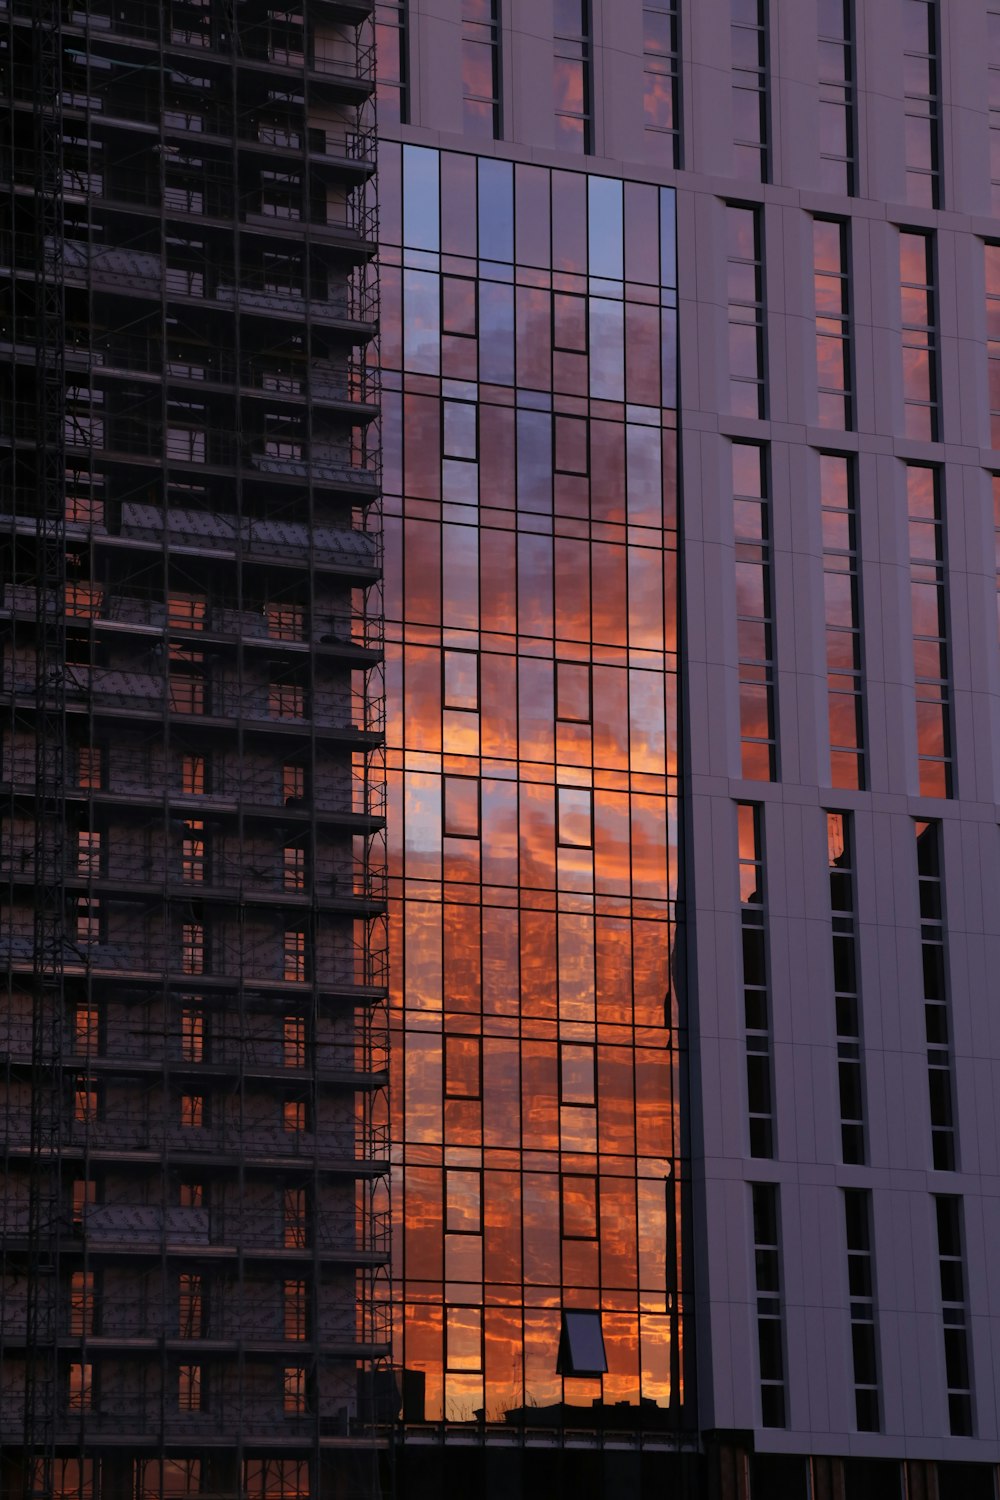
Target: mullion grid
pixel 845 672
pixel 770 1315
pixel 831 281
pixel 837 129
pixel 928 602
pixel 922 124
pixel 756 1001
pixel 661 86
pixel 993 42
pixel 755 613
pixel 745 286
pixel 481 69
pixel 574 84
pixel 992 268
pixel 843 917
pixel 749 41
pixel 391 47
pixel 933 955
pixel 864 1317
pixel 954 1315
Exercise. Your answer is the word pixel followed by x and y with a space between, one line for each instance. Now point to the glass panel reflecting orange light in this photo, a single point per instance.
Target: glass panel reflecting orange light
pixel 532 724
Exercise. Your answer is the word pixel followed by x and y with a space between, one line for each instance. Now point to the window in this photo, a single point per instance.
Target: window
pixel 937 1024
pixel 186 692
pixel 756 1001
pixel 571 443
pixel 81 1387
pixel 845 984
pixel 578 1206
pixel 958 1368
pixel 293 1390
pixel 581 1345
pixel 294 1209
pixel 992 253
pixel 88 854
pixel 178 1477
pixel 86 1030
pixel 463 1338
pixel 192 1034
pixel 293 867
pixel 186 611
pixel 747 395
pixel 86 1103
pixel 836 96
pixel 193 852
pixel 993 34
pixel 83 1193
pixel 193 775
pixel 861 1287
pixel 81 1304
pixel 481 69
pixel 660 87
pixel 573 692
pixel 462 1067
pixel 281 194
pixel 89 768
pixel 189 1388
pixel 928 603
pixel 293 784
pixel 294 1042
pixel 841 603
pixel 390 46
pixel 294 1116
pixel 286 622
pixel 191 1195
pixel 190 1306
pixel 831 281
pixel 192 948
pixel 576 1073
pixel 463 1202
pixel 575 817
pixel 919 325
pixel 461 430
pixel 461 680
pixel 89 922
pixel 572 75
pixel 295 1310
pixel 920 86
pixel 294 956
pixel 83 601
pixel 461 807
pixel 192 1111
pixel 459 306
pixel 751 507
pixel 770 1330
pixel 286 700
pixel 748 40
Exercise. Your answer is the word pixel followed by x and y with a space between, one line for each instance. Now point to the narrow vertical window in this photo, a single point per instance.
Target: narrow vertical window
pixel 920 87
pixel 993 35
pixel 958 1366
pixel 745 285
pixel 864 1325
pixel 842 610
pixel 572 79
pixel 481 69
pixel 919 326
pixel 937 1026
pixel 836 97
pixel 993 334
pixel 996 533
pixel 661 95
pixel 748 35
pixel 756 1003
pixel 770 1330
pixel 930 631
pixel 751 509
pixel 843 915
pixel 831 280
pixel 390 48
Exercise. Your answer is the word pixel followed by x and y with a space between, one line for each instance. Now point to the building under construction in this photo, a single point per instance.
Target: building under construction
pixel 192 1066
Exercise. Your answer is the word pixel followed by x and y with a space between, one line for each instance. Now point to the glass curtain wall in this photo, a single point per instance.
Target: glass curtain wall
pixel 528 345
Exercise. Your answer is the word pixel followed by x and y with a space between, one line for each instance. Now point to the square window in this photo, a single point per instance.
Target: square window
pixel 185 612
pixel 461 807
pixel 458 305
pixel 576 1073
pixel 463 1064
pixel 573 692
pixel 463 1338
pixel 191 1195
pixel 575 817
pixel 579 1207
pixel 286 622
pixel 461 430
pixel 461 680
pixel 286 700
pixel 581 1345
pixel 463 1202
pixel 571 445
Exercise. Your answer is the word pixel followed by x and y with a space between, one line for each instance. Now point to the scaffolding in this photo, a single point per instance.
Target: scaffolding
pixel 193 1064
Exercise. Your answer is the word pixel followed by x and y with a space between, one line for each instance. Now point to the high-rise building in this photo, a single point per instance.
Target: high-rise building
pixel 691 465
pixel 193 1146
pixel 611 866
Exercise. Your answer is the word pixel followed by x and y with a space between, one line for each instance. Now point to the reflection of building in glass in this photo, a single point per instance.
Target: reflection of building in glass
pixel 695 1050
